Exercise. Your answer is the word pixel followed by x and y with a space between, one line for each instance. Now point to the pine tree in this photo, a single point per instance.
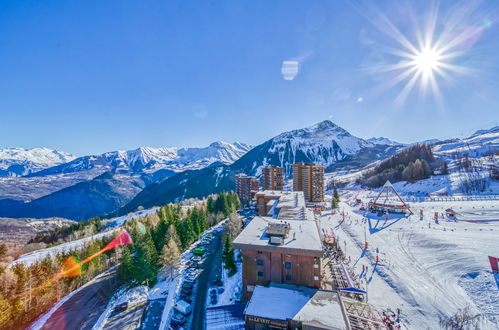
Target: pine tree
pixel 228 256
pixel 445 168
pixel 210 204
pixel 335 203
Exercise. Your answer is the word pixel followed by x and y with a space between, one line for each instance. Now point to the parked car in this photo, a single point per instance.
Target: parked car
pixel 198 251
pixel 183 307
pixel 213 299
pixel 193 264
pixel 220 290
pixel 175 326
pixel 120 308
pixel 216 282
pixel 186 298
pixel 213 292
pixel 187 291
pixel 178 318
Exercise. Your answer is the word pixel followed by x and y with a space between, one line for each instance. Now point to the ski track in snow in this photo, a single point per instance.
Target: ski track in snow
pixel 427 271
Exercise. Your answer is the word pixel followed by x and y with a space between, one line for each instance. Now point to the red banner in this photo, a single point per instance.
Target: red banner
pixel 494 264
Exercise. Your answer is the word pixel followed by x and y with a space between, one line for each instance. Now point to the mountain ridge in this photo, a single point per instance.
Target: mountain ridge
pixel 324 143
pixel 22 161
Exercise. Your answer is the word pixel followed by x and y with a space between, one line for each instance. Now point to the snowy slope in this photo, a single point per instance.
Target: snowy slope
pixel 478 144
pixel 428 270
pixel 482 150
pixel 19 161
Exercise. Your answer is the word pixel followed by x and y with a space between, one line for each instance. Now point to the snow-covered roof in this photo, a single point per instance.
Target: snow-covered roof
pixel 318 308
pixel 290 205
pixel 303 237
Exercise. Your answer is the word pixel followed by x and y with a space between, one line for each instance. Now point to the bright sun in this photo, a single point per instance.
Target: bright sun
pixel 427 61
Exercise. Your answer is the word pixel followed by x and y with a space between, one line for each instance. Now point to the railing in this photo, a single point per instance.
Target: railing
pixel 453 198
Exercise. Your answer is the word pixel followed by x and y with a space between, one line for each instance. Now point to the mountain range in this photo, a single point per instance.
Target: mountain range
pixel 93 185
pixel 325 144
pixel 19 162
pixel 118 182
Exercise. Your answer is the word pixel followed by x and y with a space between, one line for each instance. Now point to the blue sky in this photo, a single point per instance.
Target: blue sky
pixel 99 75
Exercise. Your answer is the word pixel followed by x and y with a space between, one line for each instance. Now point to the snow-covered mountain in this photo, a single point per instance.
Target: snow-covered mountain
pixel 99 184
pixel 149 160
pixel 20 162
pixel 383 140
pixel 325 143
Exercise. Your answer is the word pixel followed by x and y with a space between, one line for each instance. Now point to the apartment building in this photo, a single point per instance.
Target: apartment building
pixel 286 252
pixel 309 178
pixel 246 187
pixel 273 178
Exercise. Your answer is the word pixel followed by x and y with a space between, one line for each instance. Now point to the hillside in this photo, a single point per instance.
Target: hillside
pixel 20 231
pixel 472 166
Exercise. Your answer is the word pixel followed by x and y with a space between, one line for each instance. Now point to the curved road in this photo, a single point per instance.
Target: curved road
pixel 83 309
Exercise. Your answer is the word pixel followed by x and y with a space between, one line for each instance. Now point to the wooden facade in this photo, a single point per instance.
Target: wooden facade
pixel 263 267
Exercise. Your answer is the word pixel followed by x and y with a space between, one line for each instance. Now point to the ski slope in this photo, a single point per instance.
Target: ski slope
pixel 426 269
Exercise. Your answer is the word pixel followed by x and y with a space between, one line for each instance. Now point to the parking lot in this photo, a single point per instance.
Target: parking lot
pixel 189 306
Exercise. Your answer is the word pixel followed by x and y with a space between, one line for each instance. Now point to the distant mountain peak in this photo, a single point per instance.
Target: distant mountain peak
pixel 149 159
pixel 325 124
pixel 383 141
pixel 22 161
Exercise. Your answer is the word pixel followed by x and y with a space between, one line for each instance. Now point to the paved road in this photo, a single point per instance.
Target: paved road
pixel 152 316
pixel 83 309
pixel 209 269
pixel 129 319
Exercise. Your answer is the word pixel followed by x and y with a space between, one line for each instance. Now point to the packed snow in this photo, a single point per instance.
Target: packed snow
pixel 427 269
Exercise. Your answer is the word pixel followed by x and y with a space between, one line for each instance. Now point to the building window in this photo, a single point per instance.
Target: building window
pixel 259 262
pixel 260 274
pixel 259 252
pixel 287 277
pixel 316 278
pixel 287 265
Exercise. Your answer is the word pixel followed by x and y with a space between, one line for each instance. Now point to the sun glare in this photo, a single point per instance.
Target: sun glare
pixel 427 61
pixel 425 54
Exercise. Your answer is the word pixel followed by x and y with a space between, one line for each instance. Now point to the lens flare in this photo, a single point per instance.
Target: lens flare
pixel 70 268
pixel 422 50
